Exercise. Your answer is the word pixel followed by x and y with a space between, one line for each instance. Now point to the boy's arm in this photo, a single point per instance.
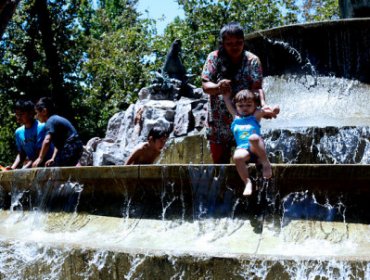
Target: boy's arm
pixel 267 112
pixel 16 162
pixel 229 104
pixel 44 149
pixel 52 159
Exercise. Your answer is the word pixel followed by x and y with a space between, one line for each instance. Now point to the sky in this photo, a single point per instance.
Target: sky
pixel 158 8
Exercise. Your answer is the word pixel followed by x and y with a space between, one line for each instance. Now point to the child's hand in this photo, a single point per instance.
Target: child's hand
pixel 49 162
pixel 270 112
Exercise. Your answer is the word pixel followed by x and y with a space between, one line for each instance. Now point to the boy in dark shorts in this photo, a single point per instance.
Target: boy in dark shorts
pixel 59 132
pixel 246 130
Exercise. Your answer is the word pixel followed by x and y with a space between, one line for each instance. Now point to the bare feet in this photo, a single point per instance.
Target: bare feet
pixel 266 170
pixel 248 188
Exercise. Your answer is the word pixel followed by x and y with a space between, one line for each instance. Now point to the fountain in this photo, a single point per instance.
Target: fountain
pixel 189 220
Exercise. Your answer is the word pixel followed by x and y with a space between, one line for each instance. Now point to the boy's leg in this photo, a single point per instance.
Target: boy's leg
pixel 240 157
pixel 258 147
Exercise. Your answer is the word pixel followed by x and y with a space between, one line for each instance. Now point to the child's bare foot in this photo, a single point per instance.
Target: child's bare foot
pixel 248 188
pixel 266 170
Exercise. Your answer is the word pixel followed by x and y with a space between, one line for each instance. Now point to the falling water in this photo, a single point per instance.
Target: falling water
pixel 191 222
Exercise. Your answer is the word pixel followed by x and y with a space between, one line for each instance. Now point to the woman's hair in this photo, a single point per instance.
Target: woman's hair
pixel 225 68
pixel 157 132
pixel 231 29
pixel 45 103
pixel 245 95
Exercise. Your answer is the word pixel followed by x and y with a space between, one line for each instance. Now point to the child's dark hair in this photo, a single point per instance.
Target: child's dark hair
pixel 245 95
pixel 157 132
pixel 45 103
pixel 24 106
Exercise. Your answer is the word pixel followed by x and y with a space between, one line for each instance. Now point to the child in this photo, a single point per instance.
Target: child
pixel 147 152
pixel 246 130
pixel 61 133
pixel 29 136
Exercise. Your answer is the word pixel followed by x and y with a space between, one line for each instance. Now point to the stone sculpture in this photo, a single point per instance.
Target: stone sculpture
pixel 170 101
pixel 172 81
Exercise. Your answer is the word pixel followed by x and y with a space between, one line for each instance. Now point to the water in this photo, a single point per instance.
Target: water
pixel 193 223
pixel 221 236
pixel 314 101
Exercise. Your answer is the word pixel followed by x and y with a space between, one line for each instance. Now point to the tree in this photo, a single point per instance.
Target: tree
pixel 7 9
pixel 114 68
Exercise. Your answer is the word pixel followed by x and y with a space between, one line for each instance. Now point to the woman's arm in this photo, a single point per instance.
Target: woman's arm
pixel 222 87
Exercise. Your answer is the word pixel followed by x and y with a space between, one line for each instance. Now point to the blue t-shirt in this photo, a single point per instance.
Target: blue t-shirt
pixel 60 130
pixel 243 128
pixel 29 140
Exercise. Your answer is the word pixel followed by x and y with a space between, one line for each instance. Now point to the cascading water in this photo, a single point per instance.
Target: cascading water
pixel 311 221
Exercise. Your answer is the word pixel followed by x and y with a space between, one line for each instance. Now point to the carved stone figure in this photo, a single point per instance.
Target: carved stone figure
pixel 171 82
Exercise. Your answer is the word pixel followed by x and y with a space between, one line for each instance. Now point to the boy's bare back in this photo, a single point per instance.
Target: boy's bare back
pixel 143 154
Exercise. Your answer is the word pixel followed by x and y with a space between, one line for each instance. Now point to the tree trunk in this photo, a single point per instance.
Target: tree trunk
pixel 54 65
pixel 7 9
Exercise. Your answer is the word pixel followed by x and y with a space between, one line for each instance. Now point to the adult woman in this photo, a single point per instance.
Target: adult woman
pixel 229 69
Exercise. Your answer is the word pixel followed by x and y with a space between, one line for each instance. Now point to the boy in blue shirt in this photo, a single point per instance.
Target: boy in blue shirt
pixel 246 129
pixel 29 136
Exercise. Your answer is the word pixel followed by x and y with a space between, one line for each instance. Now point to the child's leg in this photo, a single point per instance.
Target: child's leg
pixel 258 147
pixel 240 157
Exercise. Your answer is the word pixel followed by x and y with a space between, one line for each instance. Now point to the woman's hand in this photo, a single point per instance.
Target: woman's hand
pixel 224 86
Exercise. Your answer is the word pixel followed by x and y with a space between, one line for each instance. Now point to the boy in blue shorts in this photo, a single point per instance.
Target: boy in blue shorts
pixel 29 136
pixel 246 129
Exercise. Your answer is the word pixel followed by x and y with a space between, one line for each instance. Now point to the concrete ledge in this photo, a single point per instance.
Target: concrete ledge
pixel 178 191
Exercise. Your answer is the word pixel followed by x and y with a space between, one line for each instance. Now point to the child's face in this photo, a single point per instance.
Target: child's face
pixel 246 107
pixel 159 143
pixel 41 115
pixel 24 117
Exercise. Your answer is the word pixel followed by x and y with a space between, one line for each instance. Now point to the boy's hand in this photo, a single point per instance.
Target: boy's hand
pixel 270 112
pixel 49 162
pixel 37 162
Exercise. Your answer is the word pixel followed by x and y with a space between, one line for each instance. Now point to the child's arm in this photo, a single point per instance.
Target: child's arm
pixel 44 149
pixel 16 162
pixel 51 161
pixel 229 104
pixel 267 112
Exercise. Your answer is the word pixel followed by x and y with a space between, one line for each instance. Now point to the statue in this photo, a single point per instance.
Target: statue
pixel 171 82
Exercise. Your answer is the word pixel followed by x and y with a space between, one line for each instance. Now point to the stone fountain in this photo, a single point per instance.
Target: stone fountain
pixel 184 218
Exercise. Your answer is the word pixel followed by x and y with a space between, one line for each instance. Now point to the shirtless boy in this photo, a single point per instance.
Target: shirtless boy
pixel 147 152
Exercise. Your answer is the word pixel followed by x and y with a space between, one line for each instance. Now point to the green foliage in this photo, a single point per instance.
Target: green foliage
pixel 114 71
pixel 106 51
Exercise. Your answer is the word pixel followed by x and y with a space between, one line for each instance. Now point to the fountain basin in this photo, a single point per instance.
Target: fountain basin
pixel 183 191
pixel 187 221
